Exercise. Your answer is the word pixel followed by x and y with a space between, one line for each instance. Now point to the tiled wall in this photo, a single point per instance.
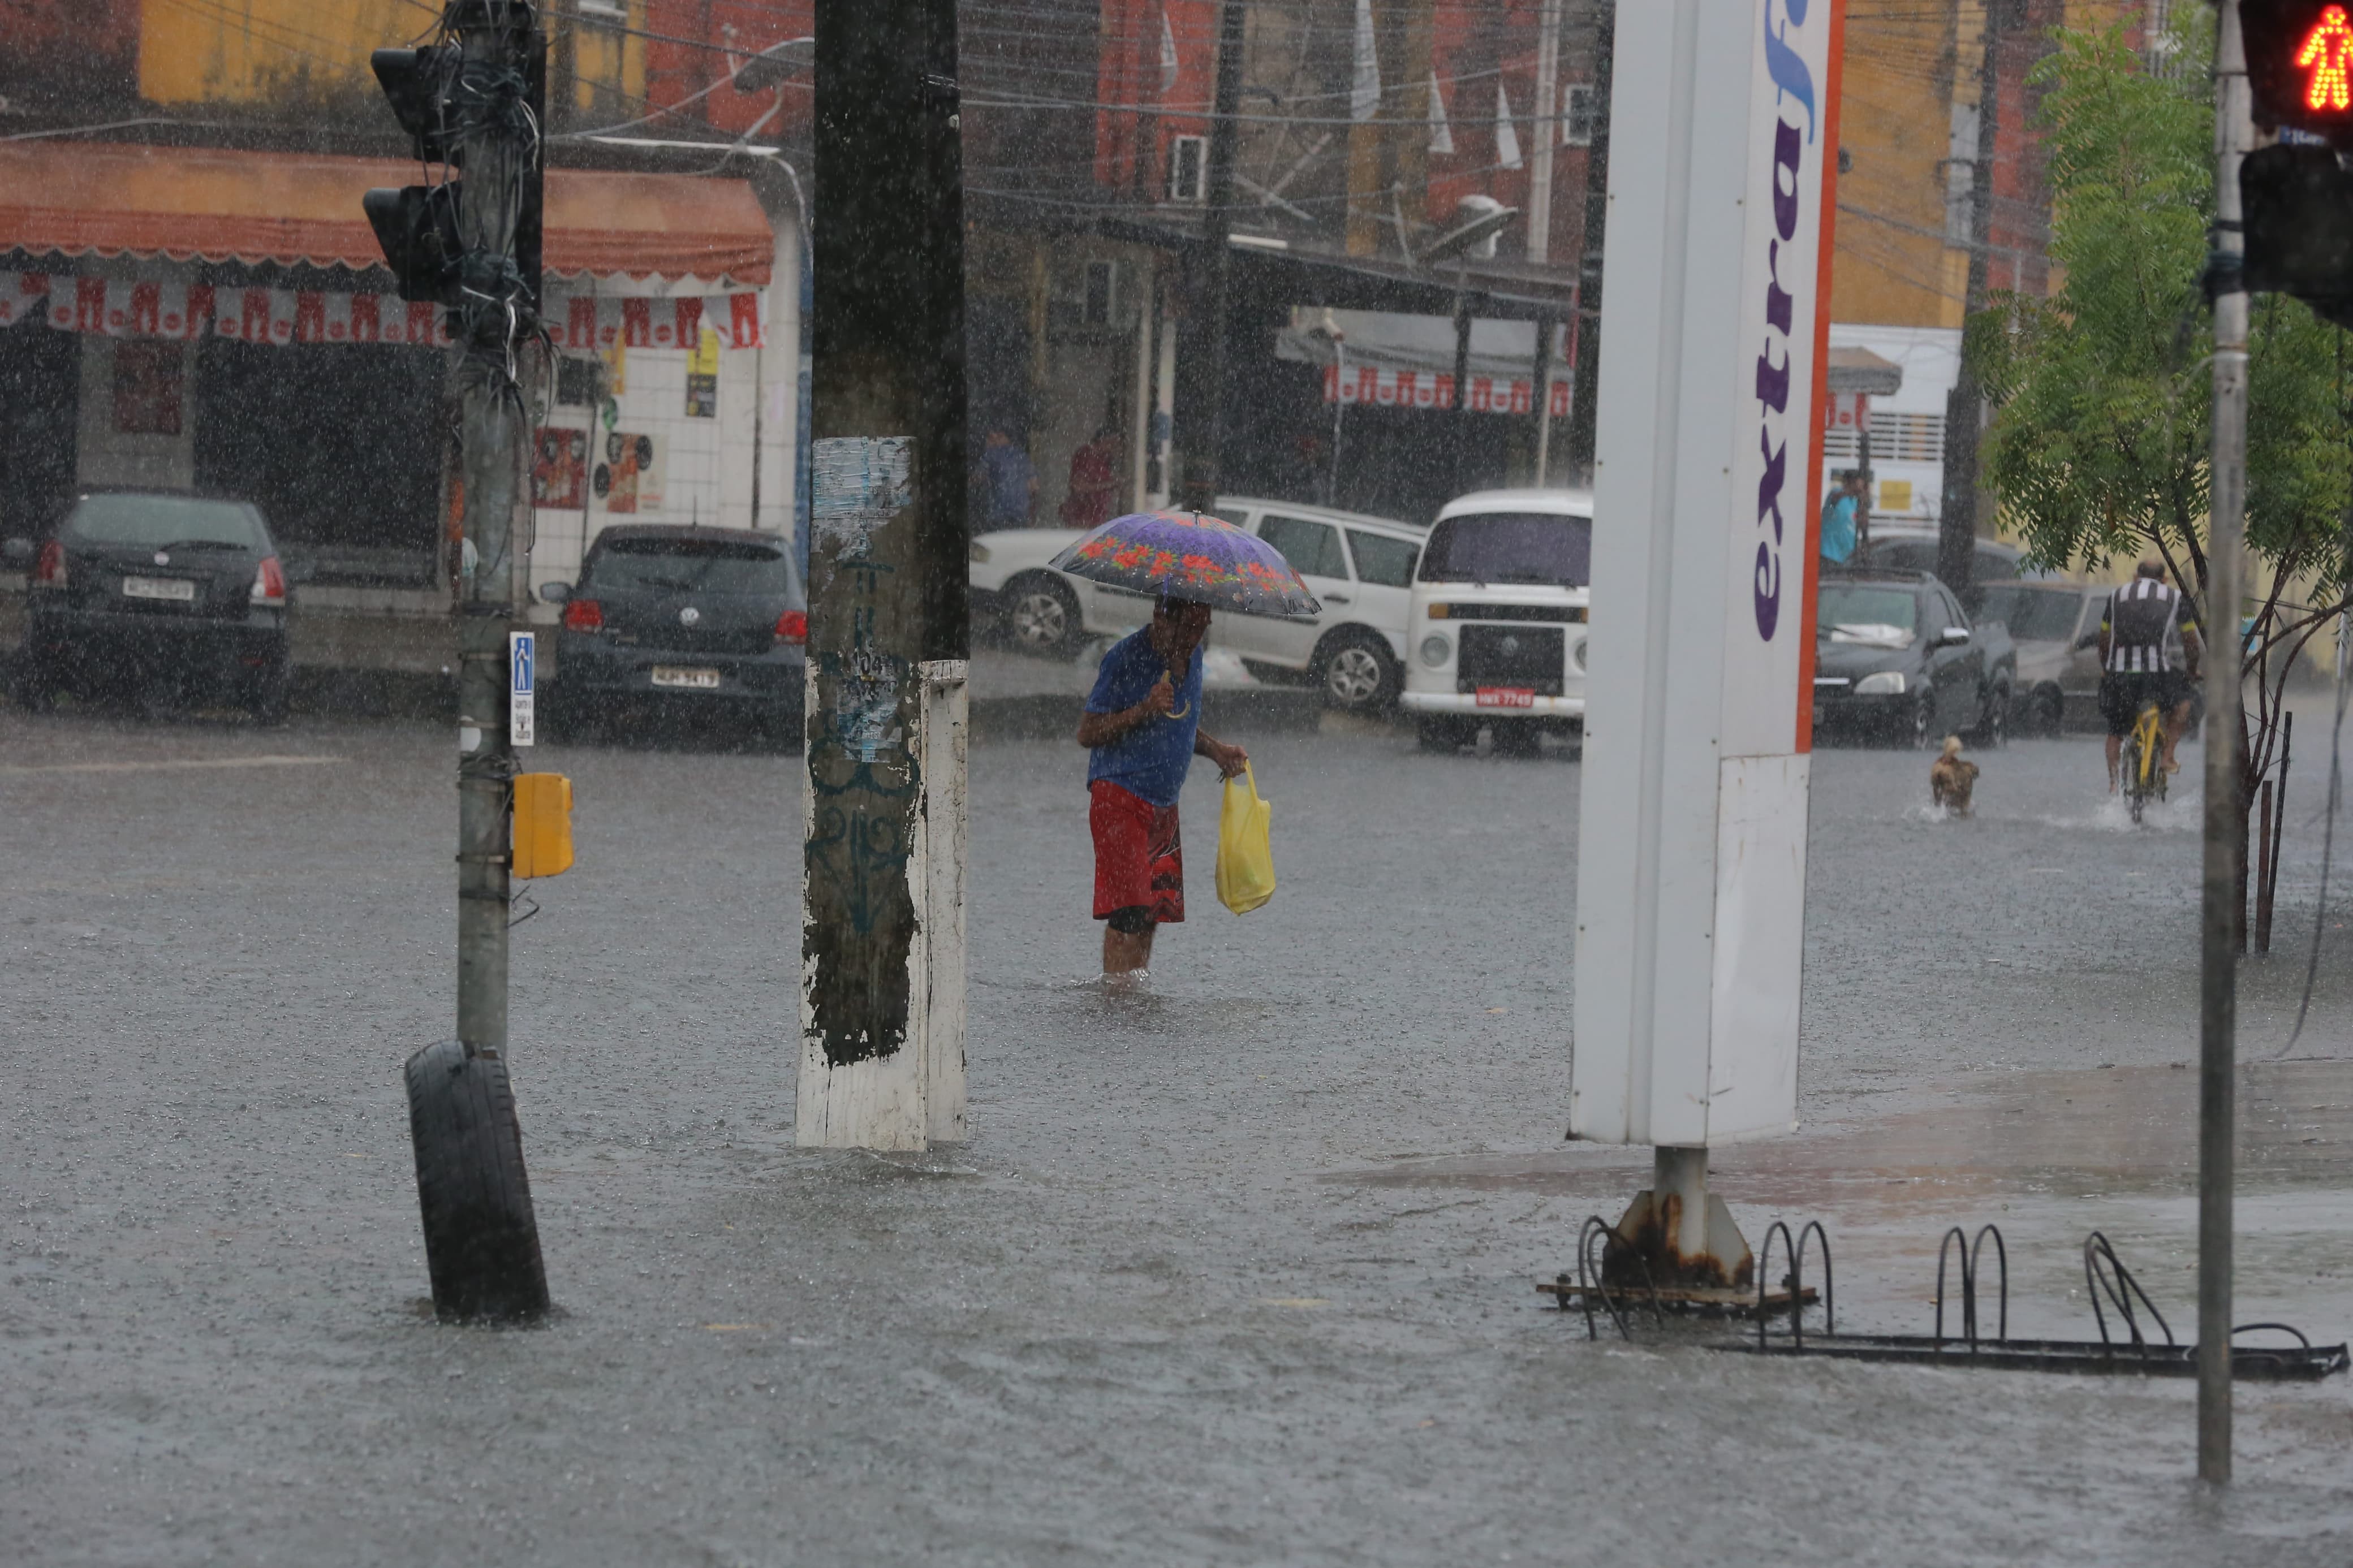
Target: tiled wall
pixel 706 462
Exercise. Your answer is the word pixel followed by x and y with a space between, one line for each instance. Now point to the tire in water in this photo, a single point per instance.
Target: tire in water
pixel 481 1241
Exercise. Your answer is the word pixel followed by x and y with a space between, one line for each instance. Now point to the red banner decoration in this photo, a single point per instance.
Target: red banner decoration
pixel 121 309
pixel 1430 389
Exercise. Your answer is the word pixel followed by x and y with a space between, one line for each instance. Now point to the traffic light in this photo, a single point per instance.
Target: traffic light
pixel 420 84
pixel 417 226
pixel 2296 196
pixel 2300 67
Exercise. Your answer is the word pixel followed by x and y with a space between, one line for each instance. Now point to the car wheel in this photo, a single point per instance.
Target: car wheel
pixel 1358 674
pixel 35 689
pixel 1993 726
pixel 272 697
pixel 786 731
pixel 557 716
pixel 1924 721
pixel 2050 711
pixel 1440 735
pixel 1517 738
pixel 1042 616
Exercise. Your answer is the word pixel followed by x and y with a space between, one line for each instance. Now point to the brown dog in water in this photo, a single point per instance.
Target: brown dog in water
pixel 1951 780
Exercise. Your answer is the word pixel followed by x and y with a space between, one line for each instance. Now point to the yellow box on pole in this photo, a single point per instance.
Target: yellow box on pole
pixel 543 825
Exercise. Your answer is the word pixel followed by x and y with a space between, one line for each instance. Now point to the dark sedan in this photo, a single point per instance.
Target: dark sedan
pixel 1895 657
pixel 708 619
pixel 162 596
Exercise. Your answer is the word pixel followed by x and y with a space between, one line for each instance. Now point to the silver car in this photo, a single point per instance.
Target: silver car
pixel 2058 679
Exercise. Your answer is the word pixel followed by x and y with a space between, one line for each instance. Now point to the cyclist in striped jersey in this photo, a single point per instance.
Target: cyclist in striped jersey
pixel 2149 652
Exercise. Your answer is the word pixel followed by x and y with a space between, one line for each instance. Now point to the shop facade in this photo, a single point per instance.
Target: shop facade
pixel 217 320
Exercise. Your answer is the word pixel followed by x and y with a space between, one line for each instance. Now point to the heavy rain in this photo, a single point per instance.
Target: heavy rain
pixel 624 621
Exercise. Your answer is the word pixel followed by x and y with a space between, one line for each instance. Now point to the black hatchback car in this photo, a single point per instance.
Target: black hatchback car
pixel 1896 657
pixel 708 618
pixel 156 593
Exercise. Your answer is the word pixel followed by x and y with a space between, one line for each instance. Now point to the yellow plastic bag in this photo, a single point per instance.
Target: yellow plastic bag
pixel 1245 853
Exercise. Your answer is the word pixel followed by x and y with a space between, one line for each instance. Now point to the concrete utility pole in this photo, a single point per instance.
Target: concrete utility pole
pixel 1365 216
pixel 1957 528
pixel 882 886
pixel 1208 272
pixel 1547 133
pixel 1586 374
pixel 2224 907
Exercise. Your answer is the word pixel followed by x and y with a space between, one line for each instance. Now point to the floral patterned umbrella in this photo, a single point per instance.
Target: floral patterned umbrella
pixel 1190 556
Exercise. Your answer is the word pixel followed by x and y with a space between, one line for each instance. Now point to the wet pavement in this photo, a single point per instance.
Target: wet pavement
pixel 1240 1271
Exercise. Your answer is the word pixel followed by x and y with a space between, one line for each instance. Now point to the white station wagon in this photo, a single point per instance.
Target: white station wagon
pixel 1360 568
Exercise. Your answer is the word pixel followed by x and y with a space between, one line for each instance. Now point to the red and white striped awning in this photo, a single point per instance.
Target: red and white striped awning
pixel 661 233
pixel 122 308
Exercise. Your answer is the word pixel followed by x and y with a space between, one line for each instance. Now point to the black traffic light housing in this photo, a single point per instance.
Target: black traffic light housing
pixel 2298 206
pixel 417 226
pixel 420 84
pixel 2297 197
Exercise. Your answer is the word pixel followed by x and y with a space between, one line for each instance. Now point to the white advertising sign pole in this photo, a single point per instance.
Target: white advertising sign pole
pixel 1691 847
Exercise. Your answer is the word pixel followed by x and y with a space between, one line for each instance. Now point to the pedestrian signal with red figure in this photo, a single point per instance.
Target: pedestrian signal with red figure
pixel 2300 67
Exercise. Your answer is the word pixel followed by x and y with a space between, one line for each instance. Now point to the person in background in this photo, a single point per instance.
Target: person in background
pixel 1841 514
pixel 1008 483
pixel 1142 725
pixel 1095 482
pixel 2149 652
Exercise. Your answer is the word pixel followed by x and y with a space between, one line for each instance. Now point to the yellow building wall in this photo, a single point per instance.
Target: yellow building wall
pixel 247 51
pixel 263 51
pixel 1892 266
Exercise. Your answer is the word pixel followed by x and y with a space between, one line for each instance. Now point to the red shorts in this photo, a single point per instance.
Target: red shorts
pixel 1139 863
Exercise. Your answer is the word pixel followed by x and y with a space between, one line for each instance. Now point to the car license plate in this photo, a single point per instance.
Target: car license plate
pixel 1507 697
pixel 676 675
pixel 181 588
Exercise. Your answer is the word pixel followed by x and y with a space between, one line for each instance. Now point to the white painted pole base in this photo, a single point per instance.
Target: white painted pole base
pixel 1682 1233
pixel 913 1097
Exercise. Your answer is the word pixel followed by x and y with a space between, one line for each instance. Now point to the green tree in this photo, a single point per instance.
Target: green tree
pixel 2101 392
pixel 2102 428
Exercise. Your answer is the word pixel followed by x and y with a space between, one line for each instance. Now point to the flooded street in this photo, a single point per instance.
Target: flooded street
pixel 1239 1271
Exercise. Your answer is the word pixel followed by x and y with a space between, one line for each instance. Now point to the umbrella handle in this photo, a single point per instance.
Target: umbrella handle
pixel 1180 712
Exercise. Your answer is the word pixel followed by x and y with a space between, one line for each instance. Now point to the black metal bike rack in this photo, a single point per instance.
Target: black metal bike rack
pixel 2131 1347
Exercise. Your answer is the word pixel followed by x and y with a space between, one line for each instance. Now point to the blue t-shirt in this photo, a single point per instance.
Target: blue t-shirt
pixel 1838 529
pixel 1151 759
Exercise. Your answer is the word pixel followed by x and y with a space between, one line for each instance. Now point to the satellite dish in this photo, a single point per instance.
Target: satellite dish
pixel 1478 220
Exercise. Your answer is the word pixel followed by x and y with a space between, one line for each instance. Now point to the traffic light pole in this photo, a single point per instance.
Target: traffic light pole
pixel 881 1061
pixel 2225 824
pixel 490 210
pixel 474 99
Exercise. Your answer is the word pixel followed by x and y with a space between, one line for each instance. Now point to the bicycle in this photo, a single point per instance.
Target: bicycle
pixel 2143 761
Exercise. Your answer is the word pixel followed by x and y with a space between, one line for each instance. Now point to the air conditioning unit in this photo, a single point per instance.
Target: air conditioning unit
pixel 1189 168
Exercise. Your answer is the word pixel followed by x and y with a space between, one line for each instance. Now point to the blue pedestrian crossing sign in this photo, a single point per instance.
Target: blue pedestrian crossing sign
pixel 523 657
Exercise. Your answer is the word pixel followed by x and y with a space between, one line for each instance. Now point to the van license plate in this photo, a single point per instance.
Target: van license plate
pixel 181 588
pixel 673 675
pixel 1507 697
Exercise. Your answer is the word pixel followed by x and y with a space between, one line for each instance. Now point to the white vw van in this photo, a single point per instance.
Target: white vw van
pixel 1497 628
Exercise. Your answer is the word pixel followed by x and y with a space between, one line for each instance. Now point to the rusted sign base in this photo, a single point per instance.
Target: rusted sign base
pixel 1661 1247
pixel 1704 1301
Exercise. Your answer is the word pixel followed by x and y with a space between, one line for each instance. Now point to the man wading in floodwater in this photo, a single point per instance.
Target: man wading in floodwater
pixel 1143 725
